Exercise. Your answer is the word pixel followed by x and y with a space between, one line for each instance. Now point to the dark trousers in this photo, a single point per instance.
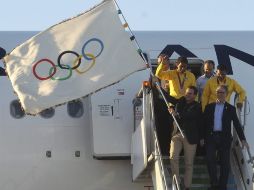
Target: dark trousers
pixel 215 143
pixel 164 124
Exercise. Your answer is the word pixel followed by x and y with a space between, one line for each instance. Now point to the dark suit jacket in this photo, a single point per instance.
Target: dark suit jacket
pixel 189 118
pixel 229 115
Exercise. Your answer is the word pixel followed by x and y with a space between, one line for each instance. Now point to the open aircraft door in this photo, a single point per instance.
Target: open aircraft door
pixel 139 151
pixel 140 147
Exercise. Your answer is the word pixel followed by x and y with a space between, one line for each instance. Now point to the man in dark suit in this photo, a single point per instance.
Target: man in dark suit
pixel 188 113
pixel 218 117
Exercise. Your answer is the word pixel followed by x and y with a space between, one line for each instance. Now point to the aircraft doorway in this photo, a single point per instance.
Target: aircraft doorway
pixel 163 120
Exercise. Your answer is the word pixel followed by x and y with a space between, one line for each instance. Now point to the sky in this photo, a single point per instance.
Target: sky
pixel 163 15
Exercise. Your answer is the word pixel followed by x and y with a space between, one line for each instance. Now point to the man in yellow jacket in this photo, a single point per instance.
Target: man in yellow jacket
pixel 179 79
pixel 209 93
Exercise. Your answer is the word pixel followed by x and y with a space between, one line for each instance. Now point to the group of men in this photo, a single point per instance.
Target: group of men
pixel 204 116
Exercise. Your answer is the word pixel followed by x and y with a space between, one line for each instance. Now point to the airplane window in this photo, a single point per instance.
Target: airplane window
pixel 75 108
pixel 16 109
pixel 47 113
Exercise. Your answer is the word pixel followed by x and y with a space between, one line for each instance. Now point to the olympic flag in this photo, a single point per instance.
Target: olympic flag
pixel 72 59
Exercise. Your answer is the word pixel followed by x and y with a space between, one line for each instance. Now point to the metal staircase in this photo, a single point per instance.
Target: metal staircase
pixel 200 179
pixel 149 163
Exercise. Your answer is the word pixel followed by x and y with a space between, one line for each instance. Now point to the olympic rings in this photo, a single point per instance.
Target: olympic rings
pixel 63 78
pixel 44 78
pixel 89 67
pixel 84 46
pixel 65 52
pixel 76 62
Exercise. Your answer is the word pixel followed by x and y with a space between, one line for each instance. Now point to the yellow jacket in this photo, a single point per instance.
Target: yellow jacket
pixel 209 93
pixel 187 78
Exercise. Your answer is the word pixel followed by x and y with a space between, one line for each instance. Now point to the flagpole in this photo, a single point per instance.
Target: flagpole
pixel 133 36
pixel 165 100
pixel 148 66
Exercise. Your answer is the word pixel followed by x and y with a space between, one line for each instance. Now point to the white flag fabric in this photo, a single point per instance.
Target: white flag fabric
pixel 72 59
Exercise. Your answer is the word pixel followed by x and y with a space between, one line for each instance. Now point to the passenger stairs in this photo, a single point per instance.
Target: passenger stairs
pixel 148 162
pixel 200 180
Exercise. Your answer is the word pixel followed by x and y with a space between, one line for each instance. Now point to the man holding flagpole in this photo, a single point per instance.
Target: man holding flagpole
pixel 188 114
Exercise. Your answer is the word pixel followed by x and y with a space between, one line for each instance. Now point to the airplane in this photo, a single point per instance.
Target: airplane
pixel 109 139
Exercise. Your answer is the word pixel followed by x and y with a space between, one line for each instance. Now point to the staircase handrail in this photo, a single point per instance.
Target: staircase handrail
pixel 157 146
pixel 175 183
pixel 243 123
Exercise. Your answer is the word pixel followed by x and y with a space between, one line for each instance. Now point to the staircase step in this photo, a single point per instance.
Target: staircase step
pixel 205 186
pixel 200 179
pixel 196 169
pixel 198 175
pixel 197 161
pixel 198 172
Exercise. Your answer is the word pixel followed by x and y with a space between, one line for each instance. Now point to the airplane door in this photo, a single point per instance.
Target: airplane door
pixel 112 119
pixel 139 151
pixel 140 148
